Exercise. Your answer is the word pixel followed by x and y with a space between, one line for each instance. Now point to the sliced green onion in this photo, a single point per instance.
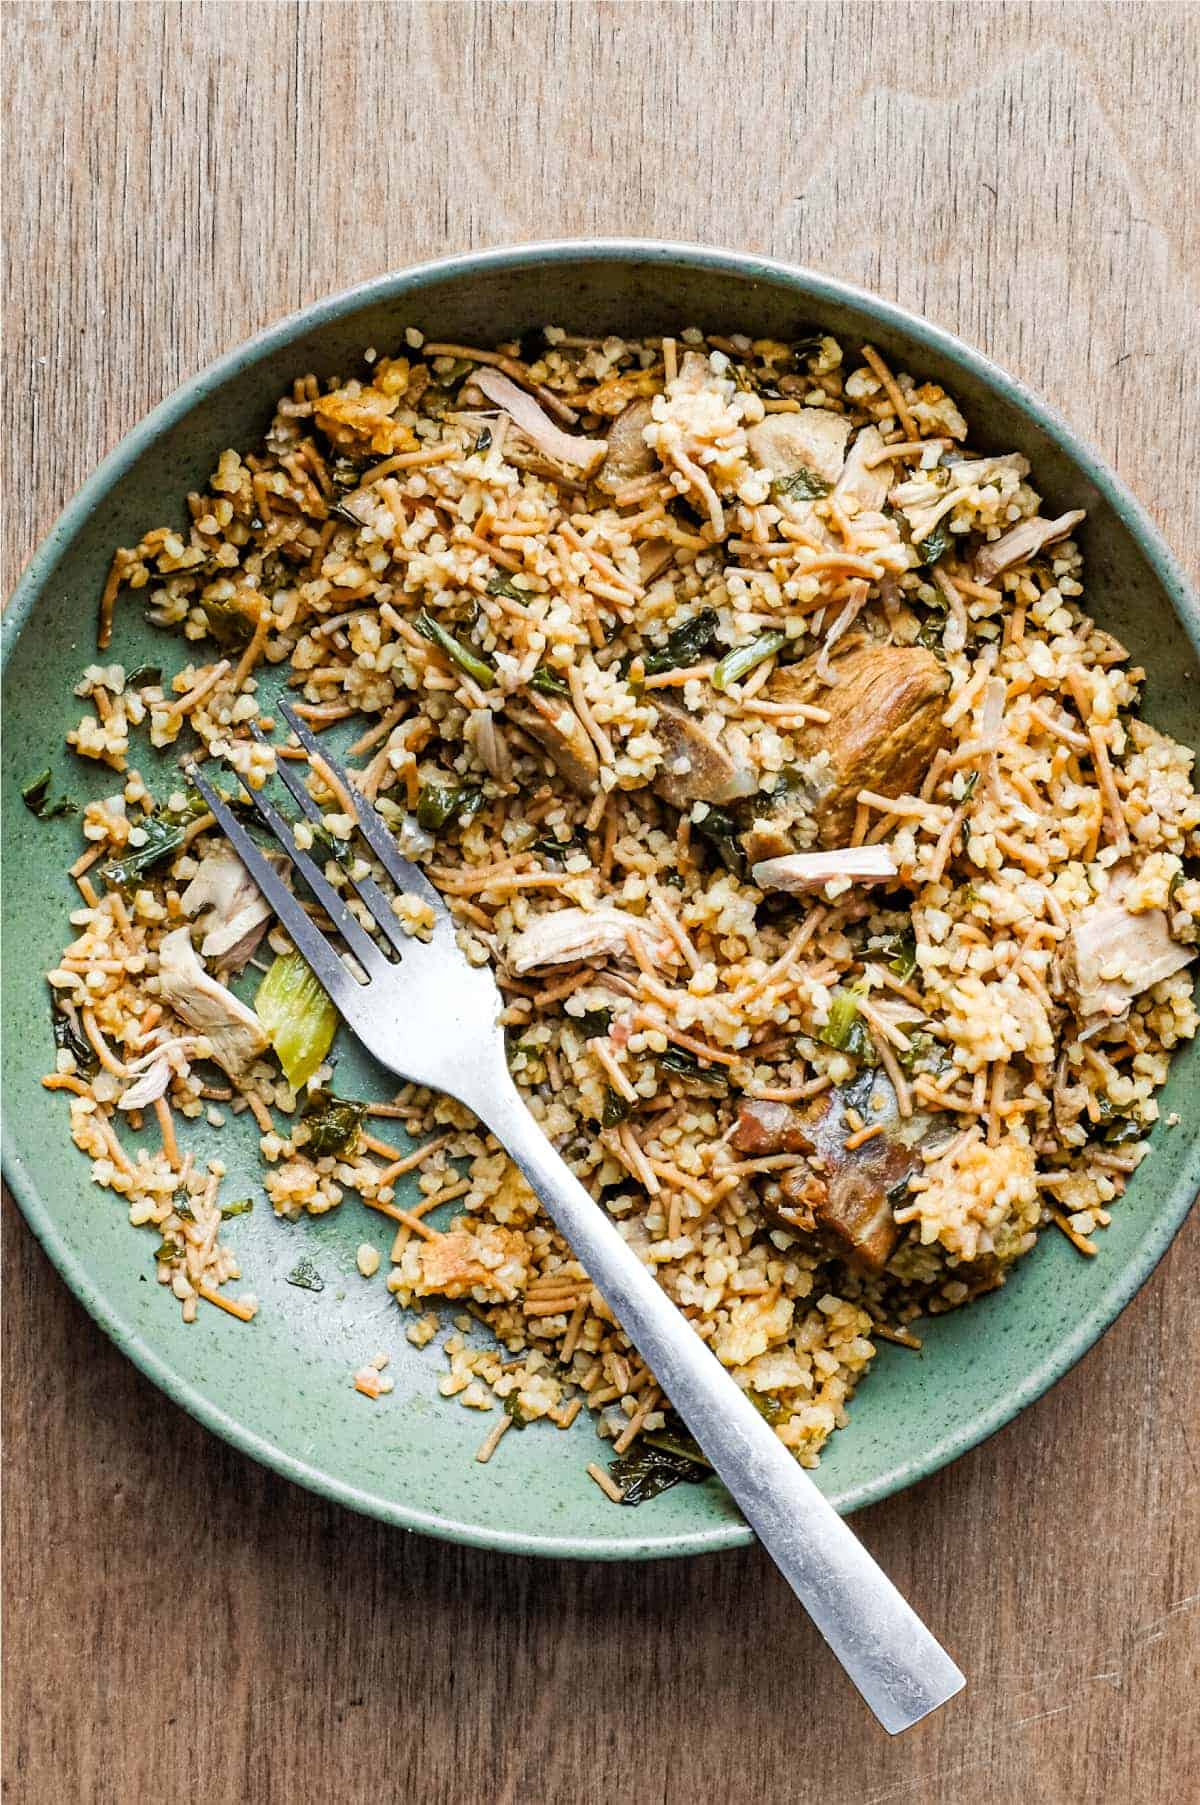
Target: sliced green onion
pixel 743 659
pixel 472 663
pixel 846 1029
pixel 297 1016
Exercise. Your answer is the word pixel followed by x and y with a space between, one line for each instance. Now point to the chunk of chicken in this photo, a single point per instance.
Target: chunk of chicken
pixel 810 440
pixel 233 911
pixel 696 767
pixel 628 455
pixel 581 456
pixel 1024 541
pixel 1114 955
pixel 571 934
pixel 560 732
pixel 800 871
pixel 869 487
pixel 885 726
pixel 235 1032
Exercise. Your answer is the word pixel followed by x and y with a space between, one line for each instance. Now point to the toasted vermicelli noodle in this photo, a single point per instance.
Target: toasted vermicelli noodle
pixel 756 731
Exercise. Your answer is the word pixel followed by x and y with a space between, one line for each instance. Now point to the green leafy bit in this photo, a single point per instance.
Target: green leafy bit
pixel 648 1470
pixel 935 545
pixel 305 1276
pixel 230 625
pixel 923 1054
pixel 550 847
pixel 1120 1129
pixel 36 796
pixel 441 804
pixel 592 1023
pixel 685 644
pixel 768 1406
pixel 846 1029
pixel 241 1206
pixel 164 831
pixel 483 442
pixel 547 681
pixel 333 1123
pixel 970 786
pixel 297 1017
pixel 472 663
pixel 144 676
pixel 900 951
pixel 511 1407
pixel 615 1110
pixel 721 832
pixel 168 1253
pixel 502 585
pixel 802 485
pixel 743 659
pixel 683 1064
pixel 69 1037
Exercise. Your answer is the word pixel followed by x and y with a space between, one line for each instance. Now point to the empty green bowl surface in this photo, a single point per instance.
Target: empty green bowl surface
pixel 280 1388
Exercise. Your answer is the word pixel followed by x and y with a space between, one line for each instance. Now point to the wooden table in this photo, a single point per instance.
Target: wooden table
pixel 182 1626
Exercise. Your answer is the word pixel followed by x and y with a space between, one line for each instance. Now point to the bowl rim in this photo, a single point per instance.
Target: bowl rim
pixel 818 290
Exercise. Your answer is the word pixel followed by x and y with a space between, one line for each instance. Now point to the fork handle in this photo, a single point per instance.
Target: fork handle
pixel 902 1672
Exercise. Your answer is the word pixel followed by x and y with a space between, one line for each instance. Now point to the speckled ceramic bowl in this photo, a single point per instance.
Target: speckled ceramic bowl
pixel 280 1388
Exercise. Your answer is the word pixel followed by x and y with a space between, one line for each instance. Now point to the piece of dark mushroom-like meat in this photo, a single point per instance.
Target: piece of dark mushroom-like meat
pixel 628 455
pixel 1024 541
pixel 696 766
pixel 843 1196
pixel 561 734
pixel 884 729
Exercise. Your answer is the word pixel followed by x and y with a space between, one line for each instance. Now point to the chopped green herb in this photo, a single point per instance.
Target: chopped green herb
pixel 550 847
pixel 743 659
pixel 297 1017
pixel 969 786
pixel 1122 1131
pixel 806 344
pixel 144 675
pixel 685 644
pixel 440 804
pixel 846 1029
pixel 69 1037
pixel 164 831
pixel 483 442
pixel 721 831
pixel 547 681
pixel 472 663
pixel 923 1054
pixel 648 1471
pixel 333 1123
pixel 686 1065
pixel 305 1276
pixel 502 585
pixel 35 795
pixel 768 1406
pixel 241 1206
pixel 228 624
pixel 168 1252
pixel 512 1409
pixel 900 950
pixel 801 485
pixel 935 545
pixel 593 1022
pixel 615 1110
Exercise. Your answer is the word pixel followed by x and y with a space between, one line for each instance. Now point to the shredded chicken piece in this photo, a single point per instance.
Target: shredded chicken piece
pixel 1023 542
pixel 868 486
pixel 810 870
pixel 627 455
pixel 235 1032
pixel 571 934
pixel 559 731
pixel 1114 955
pixel 487 739
pixel 560 447
pixel 237 912
pixel 810 440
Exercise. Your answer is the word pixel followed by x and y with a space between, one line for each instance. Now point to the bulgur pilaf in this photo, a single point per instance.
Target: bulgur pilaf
pixel 754 728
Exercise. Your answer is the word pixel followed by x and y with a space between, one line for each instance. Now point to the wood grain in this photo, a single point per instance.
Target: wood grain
pixel 180 1624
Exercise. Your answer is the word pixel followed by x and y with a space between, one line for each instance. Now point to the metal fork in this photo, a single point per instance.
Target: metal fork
pixel 433 1019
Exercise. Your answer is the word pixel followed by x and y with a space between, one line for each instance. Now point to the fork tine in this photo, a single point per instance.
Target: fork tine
pixel 351 931
pixel 380 907
pixel 345 992
pixel 374 830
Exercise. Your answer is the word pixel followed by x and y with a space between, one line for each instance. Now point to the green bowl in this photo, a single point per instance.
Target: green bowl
pixel 280 1388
